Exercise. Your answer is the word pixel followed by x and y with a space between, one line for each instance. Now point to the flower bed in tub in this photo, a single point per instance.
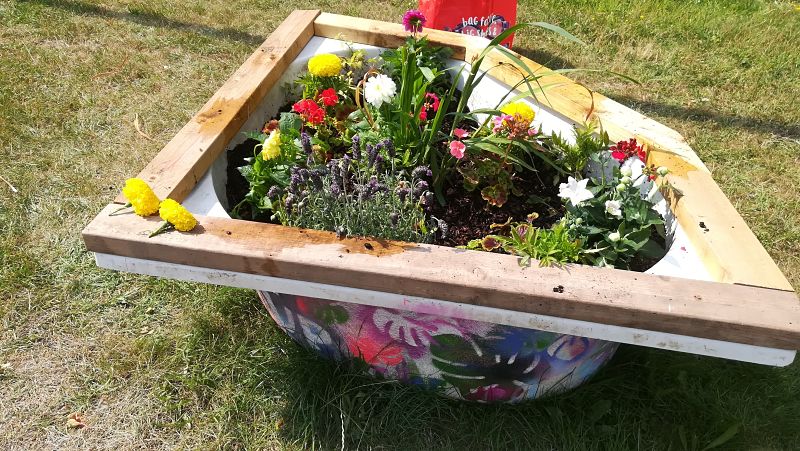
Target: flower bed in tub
pixel 470 324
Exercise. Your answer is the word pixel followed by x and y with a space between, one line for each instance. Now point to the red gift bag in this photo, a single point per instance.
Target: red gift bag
pixel 487 18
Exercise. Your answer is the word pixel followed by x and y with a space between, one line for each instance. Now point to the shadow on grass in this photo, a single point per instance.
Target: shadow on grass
pixel 695 114
pixel 248 381
pixel 142 16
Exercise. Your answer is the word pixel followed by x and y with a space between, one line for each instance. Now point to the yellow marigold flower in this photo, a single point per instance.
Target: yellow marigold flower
pixel 519 110
pixel 272 146
pixel 143 200
pixel 325 65
pixel 175 214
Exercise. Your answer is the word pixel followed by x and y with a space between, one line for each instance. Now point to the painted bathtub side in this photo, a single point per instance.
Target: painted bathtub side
pixel 458 358
pixel 639 337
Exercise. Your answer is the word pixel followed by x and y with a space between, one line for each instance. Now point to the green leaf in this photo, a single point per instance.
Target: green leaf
pixel 724 437
pixel 427 73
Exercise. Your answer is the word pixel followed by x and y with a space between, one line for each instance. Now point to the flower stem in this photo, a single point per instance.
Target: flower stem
pixel 114 213
pixel 161 229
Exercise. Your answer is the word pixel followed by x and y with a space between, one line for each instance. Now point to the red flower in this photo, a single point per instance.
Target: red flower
pixel 329 97
pixel 623 150
pixel 434 101
pixel 423 115
pixel 309 111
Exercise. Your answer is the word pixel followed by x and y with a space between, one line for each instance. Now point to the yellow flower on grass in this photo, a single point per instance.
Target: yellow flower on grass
pixel 175 214
pixel 272 146
pixel 325 65
pixel 519 110
pixel 143 200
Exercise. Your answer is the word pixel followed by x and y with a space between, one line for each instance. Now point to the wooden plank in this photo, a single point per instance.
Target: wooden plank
pixel 385 34
pixel 741 314
pixel 183 161
pixel 727 246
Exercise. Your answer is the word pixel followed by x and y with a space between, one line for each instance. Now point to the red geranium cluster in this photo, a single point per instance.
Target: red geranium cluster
pixel 431 103
pixel 623 150
pixel 311 111
pixel 329 97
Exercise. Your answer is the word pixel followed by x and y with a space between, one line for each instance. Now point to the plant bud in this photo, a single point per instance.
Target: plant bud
pixel 625 180
pixel 578 221
pixel 626 172
pixel 662 171
pixel 614 237
pixel 622 187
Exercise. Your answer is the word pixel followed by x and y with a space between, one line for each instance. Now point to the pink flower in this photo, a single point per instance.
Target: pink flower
pixel 432 100
pixel 460 133
pixel 531 132
pixel 457 149
pixel 423 115
pixel 413 21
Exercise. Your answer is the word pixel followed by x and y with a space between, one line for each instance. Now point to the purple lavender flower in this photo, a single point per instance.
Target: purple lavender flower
pixel 389 146
pixel 356 147
pixel 378 163
pixel 372 153
pixel 413 20
pixel 274 192
pixel 402 193
pixel 420 188
pixel 289 201
pixel 421 171
pixel 345 167
pixel 305 140
pixel 294 182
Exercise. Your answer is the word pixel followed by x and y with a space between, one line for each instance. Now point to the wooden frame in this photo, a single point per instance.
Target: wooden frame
pixel 752 302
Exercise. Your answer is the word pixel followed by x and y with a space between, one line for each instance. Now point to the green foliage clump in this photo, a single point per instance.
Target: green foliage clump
pixel 573 158
pixel 615 239
pixel 554 246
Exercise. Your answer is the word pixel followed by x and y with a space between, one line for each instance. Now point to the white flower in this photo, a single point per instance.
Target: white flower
pixel 614 237
pixel 613 208
pixel 379 89
pixel 575 191
pixel 635 166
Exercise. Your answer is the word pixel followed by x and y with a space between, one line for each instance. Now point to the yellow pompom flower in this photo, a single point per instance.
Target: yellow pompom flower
pixel 325 65
pixel 175 214
pixel 520 111
pixel 272 146
pixel 143 200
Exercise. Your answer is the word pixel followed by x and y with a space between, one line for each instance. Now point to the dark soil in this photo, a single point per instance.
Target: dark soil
pixel 238 187
pixel 469 216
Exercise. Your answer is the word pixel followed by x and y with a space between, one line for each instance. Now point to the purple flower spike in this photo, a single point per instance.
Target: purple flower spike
pixel 389 146
pixel 414 20
pixel 356 147
pixel 305 140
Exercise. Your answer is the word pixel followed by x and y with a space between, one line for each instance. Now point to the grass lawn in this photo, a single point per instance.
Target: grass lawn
pixel 158 364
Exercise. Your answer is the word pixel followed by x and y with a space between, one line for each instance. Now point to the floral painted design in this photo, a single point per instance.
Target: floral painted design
pixel 462 359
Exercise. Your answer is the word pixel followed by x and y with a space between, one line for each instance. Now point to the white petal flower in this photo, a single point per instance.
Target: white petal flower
pixel 613 208
pixel 379 89
pixel 575 191
pixel 614 237
pixel 634 165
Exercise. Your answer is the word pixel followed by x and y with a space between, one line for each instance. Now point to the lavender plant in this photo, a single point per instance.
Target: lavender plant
pixel 360 194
